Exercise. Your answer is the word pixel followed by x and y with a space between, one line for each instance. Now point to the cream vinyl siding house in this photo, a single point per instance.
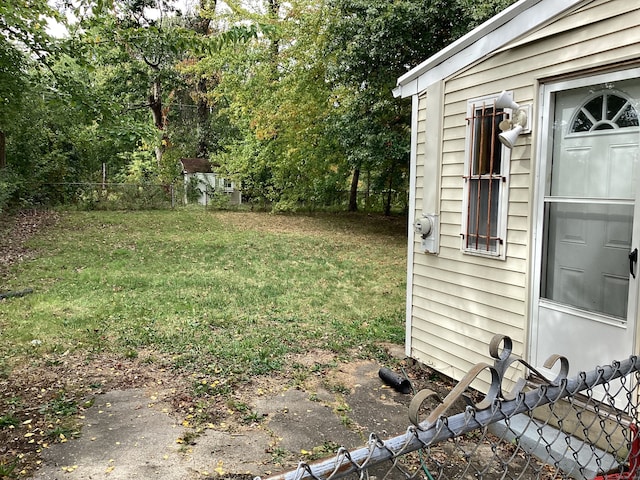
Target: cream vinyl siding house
pixel 549 56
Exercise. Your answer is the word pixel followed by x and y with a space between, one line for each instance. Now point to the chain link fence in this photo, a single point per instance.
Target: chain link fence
pixel 148 196
pixel 582 427
pixel 116 196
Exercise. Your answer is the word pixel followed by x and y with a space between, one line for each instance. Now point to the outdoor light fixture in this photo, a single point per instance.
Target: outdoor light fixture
pixel 517 124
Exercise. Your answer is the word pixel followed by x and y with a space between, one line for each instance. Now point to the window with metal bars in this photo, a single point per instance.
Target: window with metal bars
pixel 486 171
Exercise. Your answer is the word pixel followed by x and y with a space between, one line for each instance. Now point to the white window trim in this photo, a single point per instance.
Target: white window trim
pixel 503 201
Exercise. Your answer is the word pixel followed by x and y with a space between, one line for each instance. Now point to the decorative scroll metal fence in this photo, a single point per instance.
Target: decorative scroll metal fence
pixel 579 427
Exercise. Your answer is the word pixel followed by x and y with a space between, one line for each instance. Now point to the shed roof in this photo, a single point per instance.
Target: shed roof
pixel 196 165
pixel 515 21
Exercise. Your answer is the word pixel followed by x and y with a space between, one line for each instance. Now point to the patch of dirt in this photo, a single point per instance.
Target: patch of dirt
pixel 313 358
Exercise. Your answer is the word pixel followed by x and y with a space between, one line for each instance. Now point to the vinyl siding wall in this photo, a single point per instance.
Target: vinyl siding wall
pixel 460 301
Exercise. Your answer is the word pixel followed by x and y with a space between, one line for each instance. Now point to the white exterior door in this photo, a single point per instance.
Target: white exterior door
pixel 588 226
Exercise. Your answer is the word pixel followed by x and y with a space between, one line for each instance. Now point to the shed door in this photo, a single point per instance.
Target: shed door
pixel 587 299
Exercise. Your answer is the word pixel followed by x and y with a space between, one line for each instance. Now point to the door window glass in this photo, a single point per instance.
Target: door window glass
pixel 589 206
pixel 588 266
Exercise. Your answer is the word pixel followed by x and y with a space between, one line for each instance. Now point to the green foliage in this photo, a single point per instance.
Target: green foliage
pixel 478 12
pixel 9 420
pixel 12 80
pixel 281 109
pixel 311 99
pixel 24 43
pixel 219 200
pixel 321 451
pixel 23 24
pixel 292 99
pixel 192 190
pixel 7 469
pixel 140 197
pixel 371 43
pixel 139 167
pixel 9 184
pixel 60 406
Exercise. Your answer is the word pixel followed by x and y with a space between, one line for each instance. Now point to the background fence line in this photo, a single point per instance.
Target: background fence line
pixel 137 196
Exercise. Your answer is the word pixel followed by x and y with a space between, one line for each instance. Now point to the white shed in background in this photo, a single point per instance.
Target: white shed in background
pixel 200 177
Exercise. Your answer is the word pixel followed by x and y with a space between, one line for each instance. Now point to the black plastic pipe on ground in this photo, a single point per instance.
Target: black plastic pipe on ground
pixel 398 382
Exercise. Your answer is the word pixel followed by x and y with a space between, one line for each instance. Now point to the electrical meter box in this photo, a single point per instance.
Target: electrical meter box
pixel 427 226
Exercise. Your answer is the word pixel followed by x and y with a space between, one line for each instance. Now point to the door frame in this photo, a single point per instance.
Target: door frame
pixel 544 148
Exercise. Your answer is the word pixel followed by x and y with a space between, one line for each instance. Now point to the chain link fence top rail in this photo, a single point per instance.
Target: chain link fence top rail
pixel 582 427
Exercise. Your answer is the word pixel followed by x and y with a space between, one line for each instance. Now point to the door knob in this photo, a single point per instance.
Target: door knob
pixel 633 258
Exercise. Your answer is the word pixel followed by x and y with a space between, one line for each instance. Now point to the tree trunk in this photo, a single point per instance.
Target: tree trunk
pixel 159 151
pixel 155 104
pixel 367 201
pixel 274 12
pixel 202 27
pixel 159 117
pixel 387 203
pixel 353 195
pixel 202 109
pixel 202 22
pixel 3 150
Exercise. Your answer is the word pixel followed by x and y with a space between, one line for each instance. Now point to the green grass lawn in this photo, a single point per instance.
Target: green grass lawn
pixel 232 292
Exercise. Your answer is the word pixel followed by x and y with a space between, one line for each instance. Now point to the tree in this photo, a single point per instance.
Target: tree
pixel 12 84
pixel 23 43
pixel 137 44
pixel 372 43
pixel 23 24
pixel 201 24
pixel 23 34
pixel 292 98
pixel 144 45
pixel 312 97
pixel 201 71
pixel 279 103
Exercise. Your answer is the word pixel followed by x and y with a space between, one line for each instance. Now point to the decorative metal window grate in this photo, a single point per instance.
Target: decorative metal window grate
pixel 484 180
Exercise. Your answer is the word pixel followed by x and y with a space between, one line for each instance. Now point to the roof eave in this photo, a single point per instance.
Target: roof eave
pixel 496 32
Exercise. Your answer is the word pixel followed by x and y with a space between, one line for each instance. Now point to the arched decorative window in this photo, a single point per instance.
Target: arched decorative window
pixel 606 110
